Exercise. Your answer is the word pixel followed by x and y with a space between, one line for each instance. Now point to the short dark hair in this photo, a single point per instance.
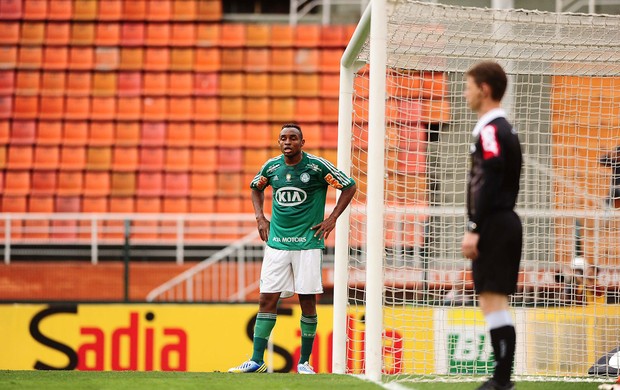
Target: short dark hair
pixel 294 126
pixel 492 74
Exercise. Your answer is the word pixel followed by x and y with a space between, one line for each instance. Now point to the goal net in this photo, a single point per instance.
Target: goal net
pixel 564 100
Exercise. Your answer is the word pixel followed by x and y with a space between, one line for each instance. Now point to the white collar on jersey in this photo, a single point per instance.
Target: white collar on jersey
pixel 488 118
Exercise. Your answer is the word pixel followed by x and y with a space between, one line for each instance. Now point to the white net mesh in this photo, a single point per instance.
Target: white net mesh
pixel 564 100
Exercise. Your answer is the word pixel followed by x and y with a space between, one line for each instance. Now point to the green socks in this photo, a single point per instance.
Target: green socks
pixel 262 329
pixel 308 331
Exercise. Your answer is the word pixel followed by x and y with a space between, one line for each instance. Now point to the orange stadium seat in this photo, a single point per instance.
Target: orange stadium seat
pixel 11 9
pixel 333 36
pixel 104 84
pixel 35 9
pixel 150 184
pixel 181 84
pixel 179 134
pixel 209 10
pixel 94 204
pixel 101 134
pixel 156 58
pixel 8 56
pixel 434 85
pixel 103 108
pixel 329 135
pixel 183 34
pixel 330 60
pixel 127 134
pixel 25 107
pixel 49 133
pixel 6 107
pixel 81 58
pixel 282 60
pixel 157 34
pixel 17 183
pixel 185 10
pixel 232 109
pixel 75 133
pixel 60 10
pixel 43 182
pixel 15 204
pixel 123 183
pixel 10 33
pixel 26 82
pixel 129 83
pixel 180 108
pixel 257 60
pixel 114 230
pixel 181 59
pixel 177 205
pixel 208 34
pixel 281 84
pixel 66 229
pixel 32 33
pixel 132 34
pixel 199 204
pixel 229 184
pixel 204 160
pixel 228 205
pixel 23 132
pixel 155 83
pixel 134 10
pixel 146 230
pixel 177 159
pixel 256 84
pixel 253 159
pixel 207 59
pixel 84 10
pixel 257 109
pixel 329 85
pixel 151 159
pixel 128 108
pixel 176 184
pixel 107 58
pixel 202 184
pixel 258 35
pixel 82 34
pixel 308 60
pixel 282 35
pixel 46 157
pixel 231 84
pixel 72 157
pixel 159 10
pixel 107 34
pixel 110 10
pixel 232 35
pixel 4 136
pixel 229 160
pixel 306 85
pixel 153 134
pixel 154 108
pixel 78 84
pixel 206 84
pixel 96 183
pixel 131 58
pixel 312 134
pixel 57 33
pixel 329 110
pixel 258 135
pixel 205 134
pixel 37 228
pixel 31 57
pixel 53 83
pixel 308 110
pixel 435 111
pixel 206 109
pixel 230 135
pixel 99 158
pixel 308 35
pixel 232 59
pixel 69 183
pixel 125 158
pixel 282 110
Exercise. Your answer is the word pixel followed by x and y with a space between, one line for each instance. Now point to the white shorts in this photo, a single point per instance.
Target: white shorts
pixel 290 272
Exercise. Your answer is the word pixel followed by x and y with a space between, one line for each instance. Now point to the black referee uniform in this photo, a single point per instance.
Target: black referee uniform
pixel 492 190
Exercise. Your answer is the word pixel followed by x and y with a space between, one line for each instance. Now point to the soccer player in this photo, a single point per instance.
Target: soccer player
pixel 494 235
pixel 295 238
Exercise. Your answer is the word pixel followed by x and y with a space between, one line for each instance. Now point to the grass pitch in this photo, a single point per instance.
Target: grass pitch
pixel 78 380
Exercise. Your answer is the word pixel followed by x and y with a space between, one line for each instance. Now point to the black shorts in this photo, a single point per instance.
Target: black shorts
pixel 499 253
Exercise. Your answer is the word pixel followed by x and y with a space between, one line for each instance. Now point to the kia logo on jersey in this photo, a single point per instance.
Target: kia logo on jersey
pixel 290 196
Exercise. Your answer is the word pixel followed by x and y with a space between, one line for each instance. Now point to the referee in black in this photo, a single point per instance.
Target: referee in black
pixel 494 235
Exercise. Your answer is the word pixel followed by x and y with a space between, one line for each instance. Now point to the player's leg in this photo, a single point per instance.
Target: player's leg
pixel 308 324
pixel 494 306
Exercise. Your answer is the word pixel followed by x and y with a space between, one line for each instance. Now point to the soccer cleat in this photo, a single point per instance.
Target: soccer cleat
pixel 249 367
pixel 491 384
pixel 305 369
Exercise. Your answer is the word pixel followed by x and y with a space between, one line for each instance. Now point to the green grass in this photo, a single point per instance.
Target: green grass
pixel 77 380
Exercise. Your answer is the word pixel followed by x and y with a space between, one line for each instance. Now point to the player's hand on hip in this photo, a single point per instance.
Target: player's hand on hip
pixel 469 245
pixel 263 228
pixel 323 229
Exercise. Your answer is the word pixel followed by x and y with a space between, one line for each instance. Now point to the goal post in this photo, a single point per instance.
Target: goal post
pixel 403 295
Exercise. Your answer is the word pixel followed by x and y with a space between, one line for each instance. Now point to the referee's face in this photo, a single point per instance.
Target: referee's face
pixel 473 94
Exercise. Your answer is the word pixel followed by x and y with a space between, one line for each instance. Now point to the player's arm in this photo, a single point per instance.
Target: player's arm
pixel 493 171
pixel 324 228
pixel 258 201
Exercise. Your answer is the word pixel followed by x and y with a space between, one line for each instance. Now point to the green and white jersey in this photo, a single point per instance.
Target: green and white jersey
pixel 299 194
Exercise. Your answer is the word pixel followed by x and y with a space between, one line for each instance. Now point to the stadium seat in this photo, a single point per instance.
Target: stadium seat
pixel 401 84
pixel 150 184
pixel 7 82
pixel 200 230
pixel 92 204
pixel 155 83
pixel 31 57
pixel 107 34
pixel 258 35
pixel 329 85
pixel 206 84
pixel 34 9
pixel 123 183
pixel 154 108
pixel 72 157
pixel 125 159
pixel 131 58
pixel 181 59
pixel 179 134
pixel 205 134
pixel 330 60
pixel 115 229
pixel 329 110
pixel 128 108
pixel 202 184
pixel 308 60
pixel 282 110
pixel 129 83
pixel 435 111
pixel 146 230
pixel 132 34
pixel 49 133
pixel 81 58
pixel 233 59
pixel 208 34
pixel 181 84
pixel 107 58
pixel 60 10
pixel 66 229
pixel 25 82
pixel 231 84
pixel 53 83
pixel 307 35
pixel 17 182
pixel 8 56
pixel 96 183
pixel 46 157
pixel 104 84
pixel 232 35
pixel 306 85
pixel 4 135
pixel 151 159
pixel 103 108
pixel 329 135
pixel 282 60
pixel 176 184
pixel 11 9
pixel 98 158
pixel 127 133
pixel 256 85
pixel 230 135
pixel 78 84
pixel 228 205
pixel 6 107
pixel 82 34
pixel 157 34
pixel 176 205
pixel 32 33
pixel 77 107
pixel 134 10
pixel 206 109
pixel 180 108
pixel 183 34
pixel 101 134
pixel 229 184
pixel 153 134
pixel 57 33
pixel 177 159
pixel 253 159
pixel 308 110
pixel 257 109
pixel 229 160
pixel 10 33
pixel 69 183
pixel 75 133
pixel 232 109
pixel 434 85
pixel 207 59
pixel 43 182
pixel 333 36
pixel 37 229
pixel 209 10
pixel 84 10
pixel 184 10
pixel 257 135
pixel 23 132
pixel 110 10
pixel 156 58
pixel 25 107
pixel 159 10
pixel 204 160
pixel 312 134
pixel 282 35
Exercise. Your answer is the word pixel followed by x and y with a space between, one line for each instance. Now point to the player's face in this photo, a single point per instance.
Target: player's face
pixel 290 142
pixel 473 94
